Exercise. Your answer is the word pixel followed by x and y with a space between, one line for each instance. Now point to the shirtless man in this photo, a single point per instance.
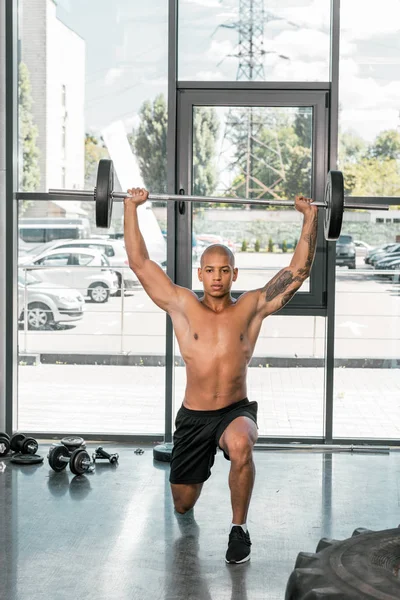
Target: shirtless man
pixel 217 335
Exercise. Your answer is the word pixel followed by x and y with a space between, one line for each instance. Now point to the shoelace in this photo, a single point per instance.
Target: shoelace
pixel 237 534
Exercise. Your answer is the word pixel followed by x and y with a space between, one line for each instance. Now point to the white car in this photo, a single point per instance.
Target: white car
pixel 85 269
pixel 47 305
pixel 362 248
pixel 114 250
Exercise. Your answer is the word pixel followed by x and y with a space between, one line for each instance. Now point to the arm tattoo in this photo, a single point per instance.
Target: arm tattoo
pixel 279 285
pixel 311 239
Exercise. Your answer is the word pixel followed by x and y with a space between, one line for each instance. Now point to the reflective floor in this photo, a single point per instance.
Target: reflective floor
pixel 113 534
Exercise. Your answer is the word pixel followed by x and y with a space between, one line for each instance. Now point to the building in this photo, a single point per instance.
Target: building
pixel 55 57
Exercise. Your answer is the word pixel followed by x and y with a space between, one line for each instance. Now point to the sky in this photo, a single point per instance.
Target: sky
pixel 127 53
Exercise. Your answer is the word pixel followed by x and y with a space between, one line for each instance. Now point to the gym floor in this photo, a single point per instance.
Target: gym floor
pixel 113 534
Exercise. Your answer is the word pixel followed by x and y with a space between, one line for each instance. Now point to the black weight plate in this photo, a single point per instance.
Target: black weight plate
pixel 334 199
pixel 27 459
pixel 29 446
pixel 4 445
pixel 72 443
pixel 162 452
pixel 54 457
pixel 4 434
pixel 76 462
pixel 103 193
pixel 16 440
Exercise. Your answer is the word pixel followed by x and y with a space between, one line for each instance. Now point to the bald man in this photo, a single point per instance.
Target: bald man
pixel 217 335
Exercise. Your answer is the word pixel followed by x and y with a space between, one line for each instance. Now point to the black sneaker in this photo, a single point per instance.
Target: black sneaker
pixel 238 546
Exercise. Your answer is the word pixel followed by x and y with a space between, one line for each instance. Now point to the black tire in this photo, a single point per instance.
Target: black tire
pixel 362 567
pixel 352 265
pixel 118 294
pixel 39 317
pixel 99 293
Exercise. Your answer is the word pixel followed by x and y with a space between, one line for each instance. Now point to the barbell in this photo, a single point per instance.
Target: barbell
pixel 104 195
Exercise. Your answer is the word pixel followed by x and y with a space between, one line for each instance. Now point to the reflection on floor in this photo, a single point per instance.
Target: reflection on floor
pixel 113 535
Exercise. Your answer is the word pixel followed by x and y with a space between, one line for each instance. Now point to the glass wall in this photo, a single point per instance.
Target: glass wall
pixel 228 40
pixel 90 87
pixel 265 153
pixel 369 137
pixel 367 346
pixel 367 379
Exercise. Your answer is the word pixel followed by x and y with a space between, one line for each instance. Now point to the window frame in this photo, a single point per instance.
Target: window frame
pixel 313 301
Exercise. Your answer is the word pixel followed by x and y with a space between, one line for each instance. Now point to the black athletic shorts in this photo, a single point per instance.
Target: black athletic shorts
pixel 196 439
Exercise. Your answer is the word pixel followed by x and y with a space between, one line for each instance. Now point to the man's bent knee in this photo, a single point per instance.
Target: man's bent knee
pixel 182 507
pixel 185 496
pixel 240 449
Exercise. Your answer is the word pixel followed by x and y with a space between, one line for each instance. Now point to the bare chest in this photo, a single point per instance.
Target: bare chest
pixel 205 332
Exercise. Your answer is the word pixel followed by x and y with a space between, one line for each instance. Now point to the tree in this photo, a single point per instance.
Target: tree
pixel 386 145
pixel 205 132
pixel 280 164
pixel 95 150
pixel 373 177
pixel 352 148
pixel 28 132
pixel 303 124
pixel 149 143
pixel 372 170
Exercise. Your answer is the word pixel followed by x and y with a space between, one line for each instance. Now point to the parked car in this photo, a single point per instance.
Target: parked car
pixel 388 263
pixel 47 305
pixel 346 251
pixel 362 248
pixel 378 250
pixel 114 250
pixel 391 268
pixel 81 269
pixel 390 253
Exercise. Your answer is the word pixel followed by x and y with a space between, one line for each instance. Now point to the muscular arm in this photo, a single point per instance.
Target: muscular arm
pixel 153 279
pixel 277 292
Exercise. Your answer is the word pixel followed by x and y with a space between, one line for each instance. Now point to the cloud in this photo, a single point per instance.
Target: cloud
pixel 207 76
pixel 219 50
pixel 360 22
pixel 301 43
pixel 113 75
pixel 366 122
pixel 205 3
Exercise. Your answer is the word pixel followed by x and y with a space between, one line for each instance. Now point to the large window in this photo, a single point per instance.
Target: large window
pixel 275 40
pixel 367 347
pixel 369 137
pixel 90 87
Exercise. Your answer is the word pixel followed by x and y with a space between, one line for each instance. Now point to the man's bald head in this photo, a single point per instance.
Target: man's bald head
pixel 219 250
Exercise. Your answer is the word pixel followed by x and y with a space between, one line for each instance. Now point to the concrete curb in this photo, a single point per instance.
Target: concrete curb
pixel 158 360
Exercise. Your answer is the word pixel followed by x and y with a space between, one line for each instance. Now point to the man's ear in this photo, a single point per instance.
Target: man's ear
pixel 235 274
pixel 199 274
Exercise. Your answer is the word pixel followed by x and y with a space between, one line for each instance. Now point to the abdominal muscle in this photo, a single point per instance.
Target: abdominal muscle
pixel 215 380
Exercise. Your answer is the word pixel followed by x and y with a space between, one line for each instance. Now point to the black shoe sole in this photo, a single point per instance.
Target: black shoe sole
pixel 237 562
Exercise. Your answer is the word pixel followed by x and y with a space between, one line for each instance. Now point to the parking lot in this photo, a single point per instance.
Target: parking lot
pixel 367 320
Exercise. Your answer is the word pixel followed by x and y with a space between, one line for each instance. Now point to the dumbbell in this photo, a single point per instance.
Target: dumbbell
pixel 100 453
pixel 73 443
pixel 79 461
pixel 23 444
pixel 4 444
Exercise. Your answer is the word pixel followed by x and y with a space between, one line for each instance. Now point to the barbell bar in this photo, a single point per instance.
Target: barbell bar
pixel 104 195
